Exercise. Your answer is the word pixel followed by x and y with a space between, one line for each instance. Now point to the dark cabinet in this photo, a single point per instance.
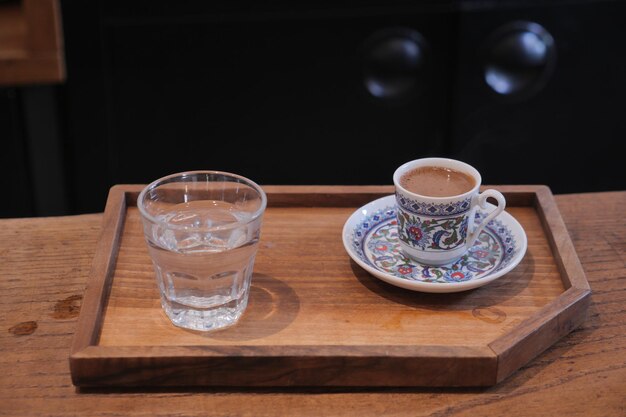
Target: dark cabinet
pixel 279 99
pixel 331 93
pixel 15 179
pixel 284 95
pixel 562 122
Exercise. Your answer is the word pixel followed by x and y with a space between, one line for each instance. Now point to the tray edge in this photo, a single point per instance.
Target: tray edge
pixel 98 285
pixel 565 313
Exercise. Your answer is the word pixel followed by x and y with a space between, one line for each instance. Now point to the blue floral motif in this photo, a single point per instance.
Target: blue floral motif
pixel 416 233
pixel 432 234
pixel 405 270
pixel 463 228
pixel 377 243
pixel 460 275
pixel 432 209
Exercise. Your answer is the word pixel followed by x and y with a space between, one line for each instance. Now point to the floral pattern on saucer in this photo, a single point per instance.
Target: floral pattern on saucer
pixel 375 240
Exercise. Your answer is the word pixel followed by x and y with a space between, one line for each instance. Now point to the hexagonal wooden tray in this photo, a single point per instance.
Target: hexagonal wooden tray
pixel 315 318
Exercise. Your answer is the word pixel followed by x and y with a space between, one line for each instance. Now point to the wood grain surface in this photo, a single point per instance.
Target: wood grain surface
pixel 304 293
pixel 43 272
pixel 333 328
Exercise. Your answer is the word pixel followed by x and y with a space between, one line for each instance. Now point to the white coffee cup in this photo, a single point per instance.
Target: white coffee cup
pixel 439 230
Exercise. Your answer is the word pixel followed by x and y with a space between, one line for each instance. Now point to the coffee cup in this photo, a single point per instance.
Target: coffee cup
pixel 437 199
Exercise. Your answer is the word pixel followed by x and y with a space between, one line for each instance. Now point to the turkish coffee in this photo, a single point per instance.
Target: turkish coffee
pixel 434 181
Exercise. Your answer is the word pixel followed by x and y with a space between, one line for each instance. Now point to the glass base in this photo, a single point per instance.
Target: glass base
pixel 206 319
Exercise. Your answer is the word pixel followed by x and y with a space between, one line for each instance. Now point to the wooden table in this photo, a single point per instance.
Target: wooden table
pixel 44 267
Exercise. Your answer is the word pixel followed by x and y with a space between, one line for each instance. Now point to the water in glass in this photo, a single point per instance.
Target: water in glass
pixel 204 276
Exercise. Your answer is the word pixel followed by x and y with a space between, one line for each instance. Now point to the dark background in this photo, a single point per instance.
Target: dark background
pixel 277 92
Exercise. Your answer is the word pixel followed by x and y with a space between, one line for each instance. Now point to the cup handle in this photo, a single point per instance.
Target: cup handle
pixel 481 200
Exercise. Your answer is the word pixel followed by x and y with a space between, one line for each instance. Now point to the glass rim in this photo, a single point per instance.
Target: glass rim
pixel 161 181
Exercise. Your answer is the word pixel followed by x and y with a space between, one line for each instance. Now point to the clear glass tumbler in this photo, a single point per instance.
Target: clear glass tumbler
pixel 202 229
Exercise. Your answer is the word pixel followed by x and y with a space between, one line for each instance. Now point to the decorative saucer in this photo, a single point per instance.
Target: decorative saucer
pixel 370 237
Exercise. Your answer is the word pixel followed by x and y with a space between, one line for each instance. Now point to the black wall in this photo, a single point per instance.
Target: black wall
pixel 278 92
pixel 15 180
pixel 568 131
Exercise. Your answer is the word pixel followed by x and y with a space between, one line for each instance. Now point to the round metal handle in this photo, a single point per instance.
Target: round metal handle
pixel 520 58
pixel 392 62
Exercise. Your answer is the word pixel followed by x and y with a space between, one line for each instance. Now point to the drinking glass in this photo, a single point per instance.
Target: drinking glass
pixel 202 229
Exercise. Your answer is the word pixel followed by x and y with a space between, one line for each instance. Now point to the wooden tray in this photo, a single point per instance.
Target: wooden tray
pixel 315 318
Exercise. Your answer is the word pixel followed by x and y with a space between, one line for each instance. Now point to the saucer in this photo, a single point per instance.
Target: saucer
pixel 370 237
